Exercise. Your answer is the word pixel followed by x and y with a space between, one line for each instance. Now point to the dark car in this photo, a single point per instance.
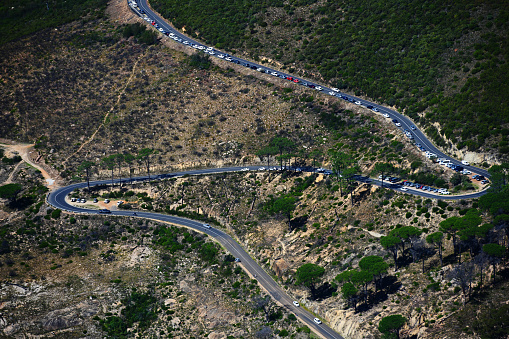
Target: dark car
pixel 104 211
pixel 254 67
pixel 369 107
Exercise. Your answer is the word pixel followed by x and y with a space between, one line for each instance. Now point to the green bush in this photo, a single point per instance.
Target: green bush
pixel 56 213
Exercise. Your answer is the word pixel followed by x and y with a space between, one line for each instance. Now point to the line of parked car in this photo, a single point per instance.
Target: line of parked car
pixel 425 187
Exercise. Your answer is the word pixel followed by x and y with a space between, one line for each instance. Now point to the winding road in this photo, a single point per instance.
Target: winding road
pixel 57 198
pixel 142 9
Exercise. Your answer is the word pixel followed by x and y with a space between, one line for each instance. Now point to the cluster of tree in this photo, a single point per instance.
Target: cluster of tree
pixel 138 308
pixel 200 61
pixel 118 160
pixel 387 60
pixel 23 17
pixel 141 33
pixel 372 270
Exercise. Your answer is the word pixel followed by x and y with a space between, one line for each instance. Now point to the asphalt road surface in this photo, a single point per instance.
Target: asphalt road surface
pixel 142 9
pixel 58 200
pixel 58 197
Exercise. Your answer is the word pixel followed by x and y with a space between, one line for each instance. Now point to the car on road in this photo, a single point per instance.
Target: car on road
pixel 104 211
pixel 237 259
pixel 318 88
pixel 317 321
pixel 207 226
pixel 296 304
pixel 404 189
pixel 261 169
pixel 385 115
pixel 357 102
pixel 375 109
pixel 274 74
pixel 413 128
pixel 296 81
pixel 335 89
pixel 464 162
pixel 396 122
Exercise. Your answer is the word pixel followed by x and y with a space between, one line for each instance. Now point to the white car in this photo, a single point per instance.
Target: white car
pixel 261 169
pixel 404 189
pixel 228 59
pixel 445 193
pixel 318 88
pixel 186 42
pixel 209 48
pixel 160 29
pixel 220 56
pixel 274 74
pixel 357 102
pixel 335 89
pixel 398 124
pixel 466 163
pixel 120 202
pixel 206 226
pixel 332 93
pixel 385 115
pixel 317 321
pixel 296 304
pixel 245 169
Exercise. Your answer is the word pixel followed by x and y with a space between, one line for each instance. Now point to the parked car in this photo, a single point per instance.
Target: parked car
pixel 296 304
pixel 317 321
pixel 237 259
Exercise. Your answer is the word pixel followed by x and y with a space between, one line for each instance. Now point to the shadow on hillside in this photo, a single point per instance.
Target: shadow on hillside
pixel 323 292
pixel 388 285
pixel 21 203
pixel 299 222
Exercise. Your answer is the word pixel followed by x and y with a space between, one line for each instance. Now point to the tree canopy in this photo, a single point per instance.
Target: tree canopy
pixel 309 275
pixel 392 324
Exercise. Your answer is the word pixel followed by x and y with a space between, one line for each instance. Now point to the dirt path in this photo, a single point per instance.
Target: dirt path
pixel 24 151
pixel 107 114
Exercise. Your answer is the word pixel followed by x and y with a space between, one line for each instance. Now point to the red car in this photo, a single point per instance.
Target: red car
pixel 153 23
pixel 296 80
pixel 289 78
